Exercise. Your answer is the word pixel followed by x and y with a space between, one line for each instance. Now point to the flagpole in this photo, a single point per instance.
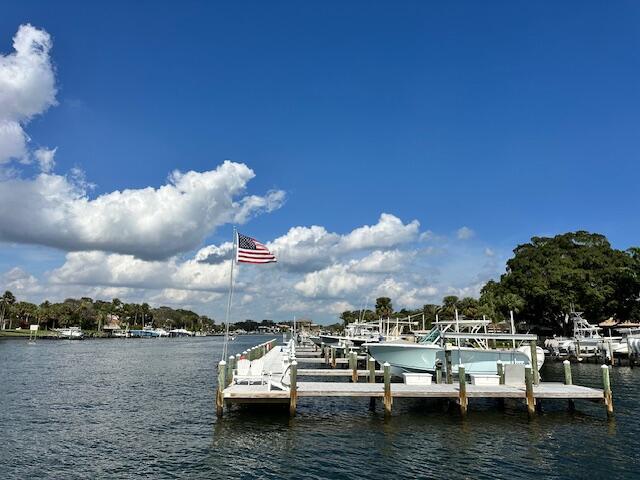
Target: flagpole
pixel 228 314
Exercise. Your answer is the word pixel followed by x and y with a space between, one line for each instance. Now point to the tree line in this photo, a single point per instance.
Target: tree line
pixel 92 314
pixel 544 280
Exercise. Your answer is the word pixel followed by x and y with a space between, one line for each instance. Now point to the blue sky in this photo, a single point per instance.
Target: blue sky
pixel 512 119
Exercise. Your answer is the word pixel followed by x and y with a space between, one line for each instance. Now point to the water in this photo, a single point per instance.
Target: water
pixel 146 409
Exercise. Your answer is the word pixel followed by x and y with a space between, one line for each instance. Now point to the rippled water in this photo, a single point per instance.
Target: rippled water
pixel 145 409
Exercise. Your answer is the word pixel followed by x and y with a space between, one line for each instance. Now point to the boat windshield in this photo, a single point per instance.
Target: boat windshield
pixel 431 337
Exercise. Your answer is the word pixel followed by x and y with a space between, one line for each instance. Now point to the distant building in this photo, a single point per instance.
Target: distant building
pixel 112 323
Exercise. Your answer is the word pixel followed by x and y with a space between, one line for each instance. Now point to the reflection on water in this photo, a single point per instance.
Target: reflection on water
pixel 145 409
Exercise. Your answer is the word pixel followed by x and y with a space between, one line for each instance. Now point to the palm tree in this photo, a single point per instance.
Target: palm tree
pixel 384 308
pixel 7 300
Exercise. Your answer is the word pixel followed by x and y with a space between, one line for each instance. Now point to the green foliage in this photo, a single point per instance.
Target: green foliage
pixel 92 315
pixel 548 276
pixel 384 308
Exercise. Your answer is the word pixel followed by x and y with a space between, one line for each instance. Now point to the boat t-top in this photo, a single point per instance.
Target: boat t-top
pixel 469 342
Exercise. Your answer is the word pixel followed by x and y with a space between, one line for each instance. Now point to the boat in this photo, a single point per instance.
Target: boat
pixel 148 332
pixel 355 334
pixel 587 339
pixel 467 340
pixel 180 332
pixel 71 333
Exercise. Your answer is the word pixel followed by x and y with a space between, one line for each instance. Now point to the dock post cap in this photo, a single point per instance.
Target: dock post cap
pixel 222 362
pixel 566 362
pixel 499 362
pixel 294 362
pixel 461 365
pixel 605 366
pixel 386 364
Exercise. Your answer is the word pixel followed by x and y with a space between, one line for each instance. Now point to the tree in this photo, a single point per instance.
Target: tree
pixel 384 308
pixel 548 276
pixel 7 300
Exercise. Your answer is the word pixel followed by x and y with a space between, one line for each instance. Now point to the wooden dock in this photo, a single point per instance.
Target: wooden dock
pixel 280 383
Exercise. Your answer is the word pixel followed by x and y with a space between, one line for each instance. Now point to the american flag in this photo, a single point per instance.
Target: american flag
pixel 251 251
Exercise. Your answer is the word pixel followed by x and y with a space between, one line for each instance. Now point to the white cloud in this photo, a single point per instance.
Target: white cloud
pixel 305 248
pixel 313 248
pixel 215 253
pixel 17 280
pixel 465 233
pixel 388 232
pixel 149 223
pixel 383 261
pixel 332 282
pixel 99 268
pixel 27 88
pixel 44 156
pixel 489 252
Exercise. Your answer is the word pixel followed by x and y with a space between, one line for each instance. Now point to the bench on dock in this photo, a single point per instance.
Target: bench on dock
pixel 250 372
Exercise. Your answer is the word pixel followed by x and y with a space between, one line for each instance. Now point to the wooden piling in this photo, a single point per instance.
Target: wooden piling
pixel 462 390
pixel 230 367
pixel 372 379
pixel 222 383
pixel 438 372
pixel 531 401
pixel 568 380
pixel 500 367
pixel 608 397
pixel 533 345
pixel 447 361
pixel 353 357
pixel 388 400
pixel 372 370
pixel 293 388
pixel 611 355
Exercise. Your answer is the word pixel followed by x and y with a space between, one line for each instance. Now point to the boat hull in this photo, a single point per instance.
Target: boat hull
pixel 330 339
pixel 405 357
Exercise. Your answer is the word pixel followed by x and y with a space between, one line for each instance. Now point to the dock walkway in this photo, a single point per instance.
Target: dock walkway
pixel 282 385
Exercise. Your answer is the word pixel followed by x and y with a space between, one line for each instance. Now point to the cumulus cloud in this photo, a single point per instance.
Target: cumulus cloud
pixel 465 233
pixel 313 248
pixel 388 232
pixel 383 261
pixel 99 268
pixel 17 280
pixel 332 282
pixel 149 223
pixel 27 88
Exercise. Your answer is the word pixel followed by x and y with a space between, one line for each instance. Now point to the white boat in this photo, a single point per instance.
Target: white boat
pixel 180 332
pixel 355 334
pixel 468 342
pixel 161 332
pixel 72 333
pixel 588 339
